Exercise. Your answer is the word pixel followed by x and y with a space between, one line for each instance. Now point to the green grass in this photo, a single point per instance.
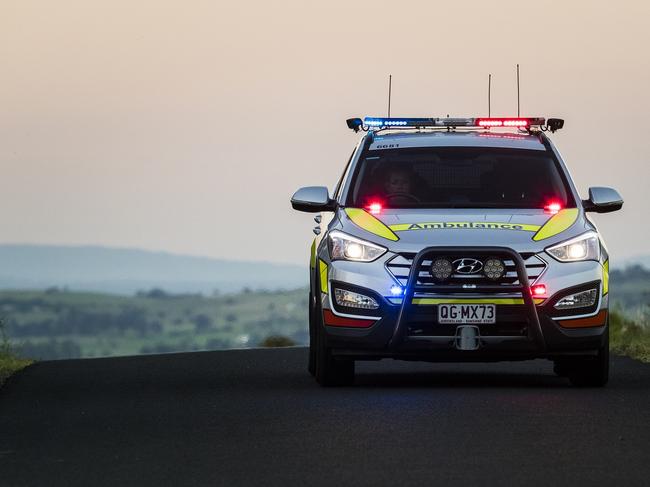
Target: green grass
pixel 630 337
pixel 61 324
pixel 9 362
pixel 274 341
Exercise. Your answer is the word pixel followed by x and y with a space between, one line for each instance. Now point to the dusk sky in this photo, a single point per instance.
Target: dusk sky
pixel 186 126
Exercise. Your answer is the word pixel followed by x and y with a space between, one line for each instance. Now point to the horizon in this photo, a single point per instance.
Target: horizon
pixel 126 271
pixel 619 264
pixel 145 250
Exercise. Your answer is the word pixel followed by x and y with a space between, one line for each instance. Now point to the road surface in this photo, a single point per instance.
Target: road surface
pixel 255 417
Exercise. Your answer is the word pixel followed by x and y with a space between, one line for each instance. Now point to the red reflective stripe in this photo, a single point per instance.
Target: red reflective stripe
pixel 332 320
pixel 598 320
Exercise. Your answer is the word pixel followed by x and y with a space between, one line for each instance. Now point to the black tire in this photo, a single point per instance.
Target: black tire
pixel 330 370
pixel 311 366
pixel 591 371
pixel 561 367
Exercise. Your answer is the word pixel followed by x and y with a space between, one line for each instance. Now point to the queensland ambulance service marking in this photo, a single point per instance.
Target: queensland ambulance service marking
pixel 523 227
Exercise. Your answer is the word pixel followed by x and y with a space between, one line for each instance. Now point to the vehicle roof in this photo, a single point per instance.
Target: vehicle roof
pixel 457 139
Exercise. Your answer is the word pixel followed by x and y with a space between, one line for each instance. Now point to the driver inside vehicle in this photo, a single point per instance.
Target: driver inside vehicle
pixel 399 186
pixel 398 181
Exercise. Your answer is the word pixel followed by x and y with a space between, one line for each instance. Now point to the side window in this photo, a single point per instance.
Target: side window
pixel 339 185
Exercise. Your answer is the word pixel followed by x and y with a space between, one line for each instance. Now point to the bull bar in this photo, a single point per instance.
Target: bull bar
pixel 534 329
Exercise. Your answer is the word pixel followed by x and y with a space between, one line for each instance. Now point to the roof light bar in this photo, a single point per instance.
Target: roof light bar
pixel 378 123
pixel 382 123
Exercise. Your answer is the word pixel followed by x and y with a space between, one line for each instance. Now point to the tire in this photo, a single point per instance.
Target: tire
pixel 330 370
pixel 311 366
pixel 591 371
pixel 561 368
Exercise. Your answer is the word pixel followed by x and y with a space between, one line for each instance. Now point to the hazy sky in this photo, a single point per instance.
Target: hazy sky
pixel 186 126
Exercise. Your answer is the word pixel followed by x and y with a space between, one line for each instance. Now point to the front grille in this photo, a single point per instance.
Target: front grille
pixel 400 266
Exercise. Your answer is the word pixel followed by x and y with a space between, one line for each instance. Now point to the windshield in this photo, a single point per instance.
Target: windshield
pixel 459 177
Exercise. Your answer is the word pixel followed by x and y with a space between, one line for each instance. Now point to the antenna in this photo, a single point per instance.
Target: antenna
pixel 390 86
pixel 489 93
pixel 518 114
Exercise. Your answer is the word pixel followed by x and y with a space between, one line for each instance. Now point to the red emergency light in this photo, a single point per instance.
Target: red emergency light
pixel 538 290
pixel 374 208
pixel 553 208
pixel 503 122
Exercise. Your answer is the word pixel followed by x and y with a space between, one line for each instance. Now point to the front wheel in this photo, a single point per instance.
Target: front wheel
pixel 311 366
pixel 329 370
pixel 591 371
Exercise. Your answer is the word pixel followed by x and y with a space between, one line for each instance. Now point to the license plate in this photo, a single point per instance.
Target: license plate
pixel 466 313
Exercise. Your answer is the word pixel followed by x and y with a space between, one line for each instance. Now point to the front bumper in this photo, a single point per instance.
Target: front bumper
pixel 523 331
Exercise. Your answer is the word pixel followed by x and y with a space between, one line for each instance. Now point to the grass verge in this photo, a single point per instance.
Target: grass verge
pixel 629 337
pixel 9 362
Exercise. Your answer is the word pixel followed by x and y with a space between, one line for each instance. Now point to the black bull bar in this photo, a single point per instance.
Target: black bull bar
pixel 535 334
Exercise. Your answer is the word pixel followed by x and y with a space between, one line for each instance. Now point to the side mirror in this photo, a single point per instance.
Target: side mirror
pixel 603 200
pixel 312 199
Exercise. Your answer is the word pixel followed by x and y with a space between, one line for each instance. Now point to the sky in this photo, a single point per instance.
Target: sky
pixel 186 126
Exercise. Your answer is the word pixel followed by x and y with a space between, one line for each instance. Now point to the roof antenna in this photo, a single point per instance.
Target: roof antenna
pixel 390 86
pixel 489 92
pixel 518 114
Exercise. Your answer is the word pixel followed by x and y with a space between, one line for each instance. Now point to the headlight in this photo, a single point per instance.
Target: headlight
pixel 347 247
pixel 583 247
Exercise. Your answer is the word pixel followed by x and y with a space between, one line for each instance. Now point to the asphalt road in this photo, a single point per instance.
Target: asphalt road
pixel 257 418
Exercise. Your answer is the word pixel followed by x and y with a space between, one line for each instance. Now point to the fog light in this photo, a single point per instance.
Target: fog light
pixel 354 300
pixel 494 269
pixel 583 299
pixel 441 269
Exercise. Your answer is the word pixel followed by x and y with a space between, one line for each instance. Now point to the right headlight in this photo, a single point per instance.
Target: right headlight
pixel 582 247
pixel 346 247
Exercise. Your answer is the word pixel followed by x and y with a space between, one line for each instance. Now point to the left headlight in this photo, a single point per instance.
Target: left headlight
pixel 347 247
pixel 583 247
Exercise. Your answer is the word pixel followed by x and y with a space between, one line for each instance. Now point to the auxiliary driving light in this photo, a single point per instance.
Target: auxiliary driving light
pixel 441 269
pixel 354 300
pixel 494 268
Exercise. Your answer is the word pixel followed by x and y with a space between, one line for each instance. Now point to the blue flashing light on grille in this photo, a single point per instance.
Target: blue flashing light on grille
pixel 396 290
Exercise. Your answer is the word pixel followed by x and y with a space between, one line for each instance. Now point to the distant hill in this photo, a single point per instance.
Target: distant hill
pixel 126 271
pixel 641 260
pixel 630 287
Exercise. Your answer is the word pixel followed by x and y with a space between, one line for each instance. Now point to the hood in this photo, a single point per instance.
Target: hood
pixel 409 230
